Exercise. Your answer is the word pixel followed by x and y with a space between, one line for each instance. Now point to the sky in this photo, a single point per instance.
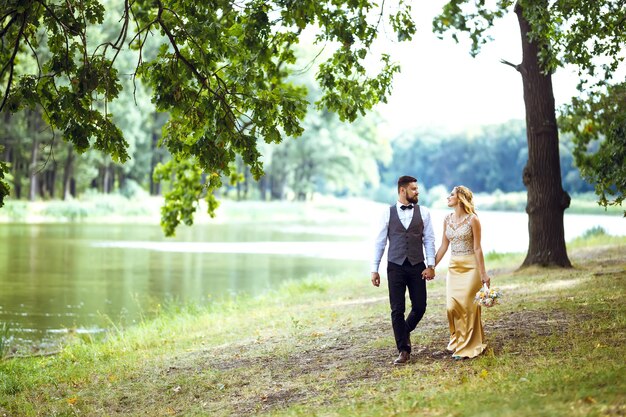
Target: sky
pixel 442 87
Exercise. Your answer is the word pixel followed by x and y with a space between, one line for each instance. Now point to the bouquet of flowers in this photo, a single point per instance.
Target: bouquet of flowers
pixel 488 297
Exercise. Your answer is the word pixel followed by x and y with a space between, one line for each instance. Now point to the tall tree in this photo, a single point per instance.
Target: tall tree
pixel 330 157
pixel 552 33
pixel 221 72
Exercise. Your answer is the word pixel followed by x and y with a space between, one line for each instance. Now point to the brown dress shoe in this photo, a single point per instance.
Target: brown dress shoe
pixel 403 358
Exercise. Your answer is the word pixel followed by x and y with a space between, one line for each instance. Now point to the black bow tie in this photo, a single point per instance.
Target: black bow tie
pixel 410 207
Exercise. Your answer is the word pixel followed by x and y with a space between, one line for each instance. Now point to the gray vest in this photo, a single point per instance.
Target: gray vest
pixel 405 243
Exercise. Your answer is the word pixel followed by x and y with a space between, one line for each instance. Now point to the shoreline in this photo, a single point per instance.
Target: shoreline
pixel 118 209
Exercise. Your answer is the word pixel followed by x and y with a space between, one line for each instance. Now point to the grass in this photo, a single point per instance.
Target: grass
pixel 323 347
pixel 5 340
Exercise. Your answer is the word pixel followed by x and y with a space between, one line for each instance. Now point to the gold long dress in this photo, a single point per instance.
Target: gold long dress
pixel 467 338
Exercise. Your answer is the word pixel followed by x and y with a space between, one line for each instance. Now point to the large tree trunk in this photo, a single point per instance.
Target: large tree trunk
pixel 155 187
pixel 238 185
pixel 49 180
pixel 68 172
pixel 121 177
pixel 106 181
pixel 12 156
pixel 34 157
pixel 542 175
pixel 277 185
pixel 247 179
pixel 262 184
pixel 277 174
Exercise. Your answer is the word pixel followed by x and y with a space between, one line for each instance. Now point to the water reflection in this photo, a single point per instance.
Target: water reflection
pixel 84 277
pixel 328 250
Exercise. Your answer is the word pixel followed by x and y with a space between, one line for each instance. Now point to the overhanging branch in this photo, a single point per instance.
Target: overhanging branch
pixel 4 30
pixel 202 79
pixel 11 63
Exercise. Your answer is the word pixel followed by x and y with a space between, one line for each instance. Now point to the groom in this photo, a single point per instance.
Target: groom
pixel 408 228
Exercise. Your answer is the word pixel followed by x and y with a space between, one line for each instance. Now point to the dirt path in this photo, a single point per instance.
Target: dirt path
pixel 258 376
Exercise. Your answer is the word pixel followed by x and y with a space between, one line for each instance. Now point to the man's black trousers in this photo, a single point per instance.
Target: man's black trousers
pixel 401 277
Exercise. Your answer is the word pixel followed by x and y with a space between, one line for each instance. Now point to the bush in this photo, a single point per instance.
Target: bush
pixel 595 231
pixel 132 190
pixel 71 210
pixel 435 197
pixel 384 194
pixel 16 210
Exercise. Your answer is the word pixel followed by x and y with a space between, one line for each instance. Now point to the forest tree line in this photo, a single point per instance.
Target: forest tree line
pixel 331 157
pixel 485 160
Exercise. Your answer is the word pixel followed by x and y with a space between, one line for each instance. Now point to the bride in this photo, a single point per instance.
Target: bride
pixel 466 275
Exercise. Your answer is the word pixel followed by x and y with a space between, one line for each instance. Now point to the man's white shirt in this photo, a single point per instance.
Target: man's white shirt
pixel 406 216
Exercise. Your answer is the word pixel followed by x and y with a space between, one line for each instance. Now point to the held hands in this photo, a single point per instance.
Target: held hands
pixel 428 274
pixel 375 279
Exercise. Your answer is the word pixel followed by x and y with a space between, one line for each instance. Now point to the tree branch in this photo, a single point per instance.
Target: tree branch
pixel 83 37
pixel 117 45
pixel 200 49
pixel 39 75
pixel 380 17
pixel 66 29
pixel 141 45
pixel 11 63
pixel 184 29
pixel 505 62
pixel 4 30
pixel 8 13
pixel 202 79
pixel 308 66
pixel 54 16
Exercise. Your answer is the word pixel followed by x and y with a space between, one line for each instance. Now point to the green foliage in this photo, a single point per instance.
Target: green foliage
pixel 574 32
pixel 458 16
pixel 598 125
pixel 181 200
pixel 218 68
pixel 579 32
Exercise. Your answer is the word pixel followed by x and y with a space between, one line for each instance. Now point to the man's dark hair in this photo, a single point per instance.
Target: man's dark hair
pixel 405 180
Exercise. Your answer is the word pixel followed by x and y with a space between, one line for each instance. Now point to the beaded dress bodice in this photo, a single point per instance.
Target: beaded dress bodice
pixel 460 236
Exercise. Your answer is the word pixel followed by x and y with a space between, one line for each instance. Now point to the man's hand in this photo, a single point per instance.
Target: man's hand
pixel 375 279
pixel 428 274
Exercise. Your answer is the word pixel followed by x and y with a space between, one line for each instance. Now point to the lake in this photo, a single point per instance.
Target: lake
pixel 56 278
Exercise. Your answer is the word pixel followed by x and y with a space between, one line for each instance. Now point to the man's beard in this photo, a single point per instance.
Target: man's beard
pixel 412 200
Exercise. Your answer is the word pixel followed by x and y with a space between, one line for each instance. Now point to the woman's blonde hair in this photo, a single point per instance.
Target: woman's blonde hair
pixel 466 198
